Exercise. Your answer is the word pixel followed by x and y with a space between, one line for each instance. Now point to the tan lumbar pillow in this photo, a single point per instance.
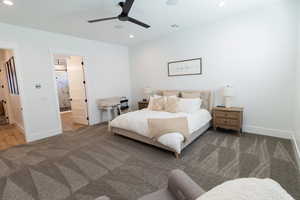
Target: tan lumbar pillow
pixel 157 104
pixel 171 104
pixel 171 93
pixel 190 95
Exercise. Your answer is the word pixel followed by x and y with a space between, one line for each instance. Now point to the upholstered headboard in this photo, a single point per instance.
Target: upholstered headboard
pixel 205 95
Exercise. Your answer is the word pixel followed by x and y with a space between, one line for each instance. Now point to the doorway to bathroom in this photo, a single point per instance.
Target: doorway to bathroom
pixel 71 83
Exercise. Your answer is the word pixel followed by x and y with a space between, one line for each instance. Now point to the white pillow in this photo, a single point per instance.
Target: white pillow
pixel 189 105
pixel 247 189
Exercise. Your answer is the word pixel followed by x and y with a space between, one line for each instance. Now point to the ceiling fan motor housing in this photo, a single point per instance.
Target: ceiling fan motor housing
pixel 126 7
pixel 121 4
pixel 123 17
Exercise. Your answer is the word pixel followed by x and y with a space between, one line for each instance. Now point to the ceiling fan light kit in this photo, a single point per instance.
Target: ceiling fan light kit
pixel 172 2
pixel 126 7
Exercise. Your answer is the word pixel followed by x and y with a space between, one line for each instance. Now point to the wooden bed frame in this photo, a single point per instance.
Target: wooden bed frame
pixel 141 138
pixel 207 100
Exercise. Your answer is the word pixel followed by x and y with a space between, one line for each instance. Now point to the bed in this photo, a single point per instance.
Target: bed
pixel 134 124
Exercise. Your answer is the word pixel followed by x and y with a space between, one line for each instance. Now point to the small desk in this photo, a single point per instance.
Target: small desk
pixel 110 105
pixel 111 111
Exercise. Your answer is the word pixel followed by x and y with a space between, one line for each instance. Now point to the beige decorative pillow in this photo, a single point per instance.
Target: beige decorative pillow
pixel 171 93
pixel 151 100
pixel 190 95
pixel 157 104
pixel 171 104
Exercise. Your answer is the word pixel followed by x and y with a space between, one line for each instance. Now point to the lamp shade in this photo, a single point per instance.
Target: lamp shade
pixel 228 91
pixel 147 90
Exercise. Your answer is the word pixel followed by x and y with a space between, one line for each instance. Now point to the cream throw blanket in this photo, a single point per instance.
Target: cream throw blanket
pixel 160 127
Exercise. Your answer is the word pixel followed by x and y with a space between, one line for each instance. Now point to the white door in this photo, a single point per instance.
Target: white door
pixel 77 90
pixel 4 91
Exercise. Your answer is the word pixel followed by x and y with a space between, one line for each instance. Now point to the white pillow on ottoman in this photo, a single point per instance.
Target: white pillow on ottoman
pixel 247 189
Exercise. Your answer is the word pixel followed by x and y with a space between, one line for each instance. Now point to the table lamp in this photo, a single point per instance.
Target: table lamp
pixel 228 94
pixel 147 92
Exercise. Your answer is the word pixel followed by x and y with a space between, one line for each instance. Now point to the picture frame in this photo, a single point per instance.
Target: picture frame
pixel 185 67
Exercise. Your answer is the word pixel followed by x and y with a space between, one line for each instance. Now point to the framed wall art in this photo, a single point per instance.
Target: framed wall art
pixel 185 67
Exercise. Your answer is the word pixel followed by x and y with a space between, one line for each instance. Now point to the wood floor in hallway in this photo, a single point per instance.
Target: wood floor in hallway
pixel 10 136
pixel 68 124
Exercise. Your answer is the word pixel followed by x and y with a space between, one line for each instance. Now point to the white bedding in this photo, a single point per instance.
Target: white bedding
pixel 138 122
pixel 247 189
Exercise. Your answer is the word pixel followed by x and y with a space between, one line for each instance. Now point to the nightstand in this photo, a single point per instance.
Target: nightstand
pixel 143 104
pixel 228 118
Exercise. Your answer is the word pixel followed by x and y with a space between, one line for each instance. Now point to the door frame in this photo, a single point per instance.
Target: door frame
pixel 18 65
pixel 52 52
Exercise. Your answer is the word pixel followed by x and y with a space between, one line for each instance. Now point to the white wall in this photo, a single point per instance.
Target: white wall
pixel 297 94
pixel 107 71
pixel 253 51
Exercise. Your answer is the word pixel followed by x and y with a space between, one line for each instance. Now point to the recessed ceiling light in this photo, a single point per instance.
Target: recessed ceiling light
pixel 8 2
pixel 222 4
pixel 172 2
pixel 175 26
pixel 131 36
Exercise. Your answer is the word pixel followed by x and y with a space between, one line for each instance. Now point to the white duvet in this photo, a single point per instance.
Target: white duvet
pixel 138 122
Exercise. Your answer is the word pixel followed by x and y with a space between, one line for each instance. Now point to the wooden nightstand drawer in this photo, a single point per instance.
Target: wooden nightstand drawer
pixel 231 115
pixel 228 118
pixel 227 122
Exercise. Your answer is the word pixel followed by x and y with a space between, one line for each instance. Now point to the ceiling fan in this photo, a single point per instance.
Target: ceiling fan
pixel 126 6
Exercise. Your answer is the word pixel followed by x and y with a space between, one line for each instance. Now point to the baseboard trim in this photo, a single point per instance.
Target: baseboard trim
pixel 296 149
pixel 268 132
pixel 38 136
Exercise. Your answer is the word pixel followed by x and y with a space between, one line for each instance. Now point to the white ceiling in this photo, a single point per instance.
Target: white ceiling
pixel 70 16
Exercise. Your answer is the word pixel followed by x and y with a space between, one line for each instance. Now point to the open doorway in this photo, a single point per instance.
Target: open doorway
pixel 11 116
pixel 70 83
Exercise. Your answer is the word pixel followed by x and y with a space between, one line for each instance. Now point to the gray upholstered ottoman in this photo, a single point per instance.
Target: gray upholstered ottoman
pixel 180 187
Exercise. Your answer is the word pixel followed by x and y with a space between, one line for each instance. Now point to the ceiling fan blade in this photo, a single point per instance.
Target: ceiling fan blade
pixel 127 6
pixel 103 19
pixel 138 22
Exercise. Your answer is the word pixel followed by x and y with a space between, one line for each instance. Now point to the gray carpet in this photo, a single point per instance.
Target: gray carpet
pixel 91 162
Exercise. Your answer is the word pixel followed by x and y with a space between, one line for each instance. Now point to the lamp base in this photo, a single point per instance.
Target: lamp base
pixel 228 102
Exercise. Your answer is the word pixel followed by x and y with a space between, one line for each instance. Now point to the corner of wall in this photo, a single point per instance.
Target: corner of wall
pixel 296 135
pixel 296 147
